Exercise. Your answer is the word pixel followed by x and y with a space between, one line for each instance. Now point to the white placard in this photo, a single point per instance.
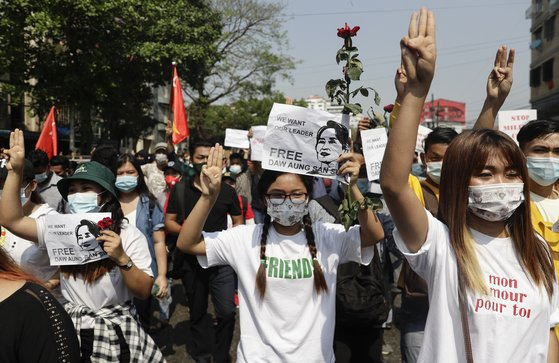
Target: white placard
pixel 71 238
pixel 304 141
pixel 374 143
pixel 236 138
pixel 510 122
pixel 257 142
pixel 422 133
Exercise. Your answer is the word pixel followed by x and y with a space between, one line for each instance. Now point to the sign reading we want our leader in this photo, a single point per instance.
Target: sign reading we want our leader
pixel 304 141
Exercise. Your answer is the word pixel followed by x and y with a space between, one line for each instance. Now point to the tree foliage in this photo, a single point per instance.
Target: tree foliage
pixel 103 57
pixel 243 114
pixel 250 56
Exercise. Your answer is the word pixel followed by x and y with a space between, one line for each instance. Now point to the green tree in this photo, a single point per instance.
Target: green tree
pixel 103 57
pixel 243 114
pixel 249 57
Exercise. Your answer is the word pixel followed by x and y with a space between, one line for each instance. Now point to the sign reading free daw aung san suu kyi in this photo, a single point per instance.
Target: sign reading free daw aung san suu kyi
pixel 304 141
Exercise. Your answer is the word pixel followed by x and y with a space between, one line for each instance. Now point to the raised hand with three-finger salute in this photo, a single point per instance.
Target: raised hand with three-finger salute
pixel 419 53
pixel 210 178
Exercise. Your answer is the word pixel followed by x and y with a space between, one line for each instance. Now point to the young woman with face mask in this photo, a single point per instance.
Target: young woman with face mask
pixel 98 294
pixel 286 267
pixel 142 210
pixel 30 257
pixel 492 287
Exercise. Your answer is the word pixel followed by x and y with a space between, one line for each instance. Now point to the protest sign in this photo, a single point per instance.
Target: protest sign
pixel 422 133
pixel 257 142
pixel 304 141
pixel 71 238
pixel 236 138
pixel 510 122
pixel 374 143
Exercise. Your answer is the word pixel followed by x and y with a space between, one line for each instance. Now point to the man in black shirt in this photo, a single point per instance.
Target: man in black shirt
pixel 205 341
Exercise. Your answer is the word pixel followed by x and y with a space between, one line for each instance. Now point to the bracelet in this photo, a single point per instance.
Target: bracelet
pixel 394 112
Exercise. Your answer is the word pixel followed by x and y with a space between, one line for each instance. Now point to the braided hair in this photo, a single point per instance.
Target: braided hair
pixel 267 178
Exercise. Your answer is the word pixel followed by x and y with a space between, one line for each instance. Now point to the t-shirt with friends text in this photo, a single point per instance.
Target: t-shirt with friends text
pixel 292 323
pixel 510 324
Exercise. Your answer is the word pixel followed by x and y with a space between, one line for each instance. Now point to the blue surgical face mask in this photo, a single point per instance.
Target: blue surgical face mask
pixel 434 170
pixel 41 177
pixel 544 171
pixel 417 170
pixel 83 202
pixel 126 183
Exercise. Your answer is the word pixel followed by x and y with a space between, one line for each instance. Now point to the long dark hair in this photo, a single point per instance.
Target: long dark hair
pixel 267 178
pixel 466 156
pixel 142 188
pixel 93 271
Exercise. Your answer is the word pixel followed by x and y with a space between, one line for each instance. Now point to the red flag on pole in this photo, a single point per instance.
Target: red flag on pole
pixel 48 141
pixel 180 119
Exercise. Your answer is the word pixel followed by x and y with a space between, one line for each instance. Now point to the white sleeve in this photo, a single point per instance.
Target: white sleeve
pixel 434 250
pixel 135 245
pixel 554 308
pixel 41 230
pixel 226 247
pixel 346 244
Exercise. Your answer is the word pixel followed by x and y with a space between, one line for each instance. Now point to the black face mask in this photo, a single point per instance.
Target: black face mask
pixel 198 167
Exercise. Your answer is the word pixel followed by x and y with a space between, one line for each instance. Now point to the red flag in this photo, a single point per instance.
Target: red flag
pixel 180 119
pixel 48 141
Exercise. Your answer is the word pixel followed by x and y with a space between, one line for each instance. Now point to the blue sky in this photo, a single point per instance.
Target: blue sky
pixel 468 35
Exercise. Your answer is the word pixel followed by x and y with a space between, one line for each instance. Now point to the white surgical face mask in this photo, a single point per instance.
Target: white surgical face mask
pixel 288 213
pixel 235 169
pixel 544 171
pixel 495 202
pixel 83 202
pixel 161 158
pixel 434 170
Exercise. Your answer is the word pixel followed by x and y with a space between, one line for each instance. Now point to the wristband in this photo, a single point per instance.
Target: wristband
pixel 394 112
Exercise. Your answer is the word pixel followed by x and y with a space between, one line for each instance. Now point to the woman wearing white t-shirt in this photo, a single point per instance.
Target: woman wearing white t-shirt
pixel 483 248
pixel 28 255
pixel 98 293
pixel 286 267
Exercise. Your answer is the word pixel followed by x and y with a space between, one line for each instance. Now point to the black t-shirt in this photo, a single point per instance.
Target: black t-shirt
pixel 36 328
pixel 227 203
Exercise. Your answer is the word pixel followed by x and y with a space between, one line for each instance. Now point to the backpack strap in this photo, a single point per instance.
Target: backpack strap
pixel 330 205
pixel 430 198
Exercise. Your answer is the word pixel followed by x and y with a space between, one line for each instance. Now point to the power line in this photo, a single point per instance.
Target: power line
pixel 442 50
pixel 380 11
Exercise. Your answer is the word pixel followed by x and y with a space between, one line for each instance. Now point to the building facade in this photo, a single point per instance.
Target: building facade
pixel 544 82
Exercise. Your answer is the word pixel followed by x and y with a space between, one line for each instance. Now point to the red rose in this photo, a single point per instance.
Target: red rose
pixel 388 108
pixel 105 223
pixel 347 32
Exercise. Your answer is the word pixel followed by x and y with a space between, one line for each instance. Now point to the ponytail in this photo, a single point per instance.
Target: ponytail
pixel 261 274
pixel 319 280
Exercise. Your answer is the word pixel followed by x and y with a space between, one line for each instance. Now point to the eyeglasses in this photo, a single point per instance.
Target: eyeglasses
pixel 279 198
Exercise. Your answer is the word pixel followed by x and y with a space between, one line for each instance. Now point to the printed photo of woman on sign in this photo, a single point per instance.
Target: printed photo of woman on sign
pixel 86 237
pixel 332 140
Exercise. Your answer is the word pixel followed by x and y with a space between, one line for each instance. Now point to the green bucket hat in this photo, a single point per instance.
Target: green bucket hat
pixel 92 171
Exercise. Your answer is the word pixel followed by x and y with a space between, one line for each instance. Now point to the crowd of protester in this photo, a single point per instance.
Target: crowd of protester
pixel 469 235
